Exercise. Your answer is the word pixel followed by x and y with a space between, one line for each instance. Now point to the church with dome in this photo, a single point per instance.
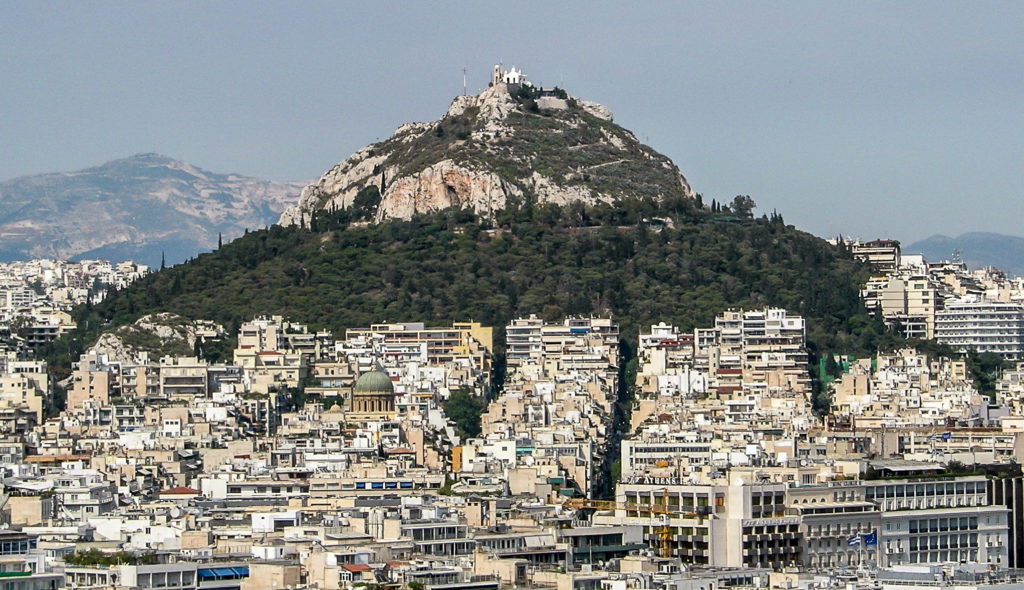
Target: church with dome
pixel 373 398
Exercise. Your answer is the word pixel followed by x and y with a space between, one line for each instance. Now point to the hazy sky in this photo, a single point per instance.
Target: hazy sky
pixel 887 119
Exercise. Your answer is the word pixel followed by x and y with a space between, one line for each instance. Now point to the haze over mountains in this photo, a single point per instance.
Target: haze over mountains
pixel 140 208
pixel 977 249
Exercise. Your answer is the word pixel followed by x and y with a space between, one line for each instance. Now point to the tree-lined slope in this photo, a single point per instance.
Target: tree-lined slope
pixel 518 201
pixel 683 267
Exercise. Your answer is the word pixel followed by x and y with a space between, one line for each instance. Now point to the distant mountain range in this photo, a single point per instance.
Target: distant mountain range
pixel 140 208
pixel 977 249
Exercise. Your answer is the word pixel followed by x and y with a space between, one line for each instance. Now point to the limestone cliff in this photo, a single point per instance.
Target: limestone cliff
pixel 509 143
pixel 156 335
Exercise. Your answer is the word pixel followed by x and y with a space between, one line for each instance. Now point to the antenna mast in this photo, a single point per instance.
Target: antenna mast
pixel 463 80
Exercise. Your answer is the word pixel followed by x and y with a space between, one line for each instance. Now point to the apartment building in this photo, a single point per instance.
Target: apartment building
pixel 939 520
pixel 882 255
pixel 531 340
pixel 982 326
pixel 715 523
pixel 909 304
pixel 444 344
pixel 756 349
pixel 184 378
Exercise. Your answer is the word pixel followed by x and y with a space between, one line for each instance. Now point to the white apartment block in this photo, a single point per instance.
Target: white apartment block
pixel 756 349
pixel 983 326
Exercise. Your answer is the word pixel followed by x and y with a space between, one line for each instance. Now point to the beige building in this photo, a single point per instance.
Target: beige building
pixel 272 576
pixel 23 391
pixel 28 510
pixel 268 369
pixel 909 302
pixel 742 523
pixel 444 345
pixel 883 255
pixel 92 381
pixel 141 380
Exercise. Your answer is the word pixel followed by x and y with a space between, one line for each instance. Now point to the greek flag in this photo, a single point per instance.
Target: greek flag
pixel 871 539
pixel 853 541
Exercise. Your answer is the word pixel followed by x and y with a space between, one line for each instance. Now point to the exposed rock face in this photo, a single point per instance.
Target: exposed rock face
pixel 140 207
pixel 598 110
pixel 503 145
pixel 339 186
pixel 155 335
pixel 443 185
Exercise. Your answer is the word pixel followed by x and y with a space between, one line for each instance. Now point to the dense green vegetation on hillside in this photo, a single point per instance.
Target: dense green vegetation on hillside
pixel 642 261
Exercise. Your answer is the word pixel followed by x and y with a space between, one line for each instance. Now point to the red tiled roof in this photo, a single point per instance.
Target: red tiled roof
pixel 180 490
pixel 356 567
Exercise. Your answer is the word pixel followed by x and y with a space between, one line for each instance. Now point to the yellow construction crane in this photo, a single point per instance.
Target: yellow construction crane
pixel 661 510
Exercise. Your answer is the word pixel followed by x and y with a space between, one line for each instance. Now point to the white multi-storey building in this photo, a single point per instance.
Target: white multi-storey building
pixel 939 521
pixel 984 326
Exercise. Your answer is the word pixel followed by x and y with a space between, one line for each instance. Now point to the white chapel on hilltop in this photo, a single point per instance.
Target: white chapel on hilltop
pixel 510 76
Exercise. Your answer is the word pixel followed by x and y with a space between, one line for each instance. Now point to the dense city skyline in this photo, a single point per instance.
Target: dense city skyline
pixel 510 348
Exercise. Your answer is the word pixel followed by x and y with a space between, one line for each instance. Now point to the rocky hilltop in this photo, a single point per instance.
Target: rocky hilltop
pixel 156 334
pixel 511 142
pixel 137 208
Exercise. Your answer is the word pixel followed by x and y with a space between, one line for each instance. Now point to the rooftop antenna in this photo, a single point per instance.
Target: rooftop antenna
pixel 463 80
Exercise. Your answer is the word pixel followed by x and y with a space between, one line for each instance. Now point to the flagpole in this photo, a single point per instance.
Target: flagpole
pixel 872 539
pixel 860 555
pixel 860 550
